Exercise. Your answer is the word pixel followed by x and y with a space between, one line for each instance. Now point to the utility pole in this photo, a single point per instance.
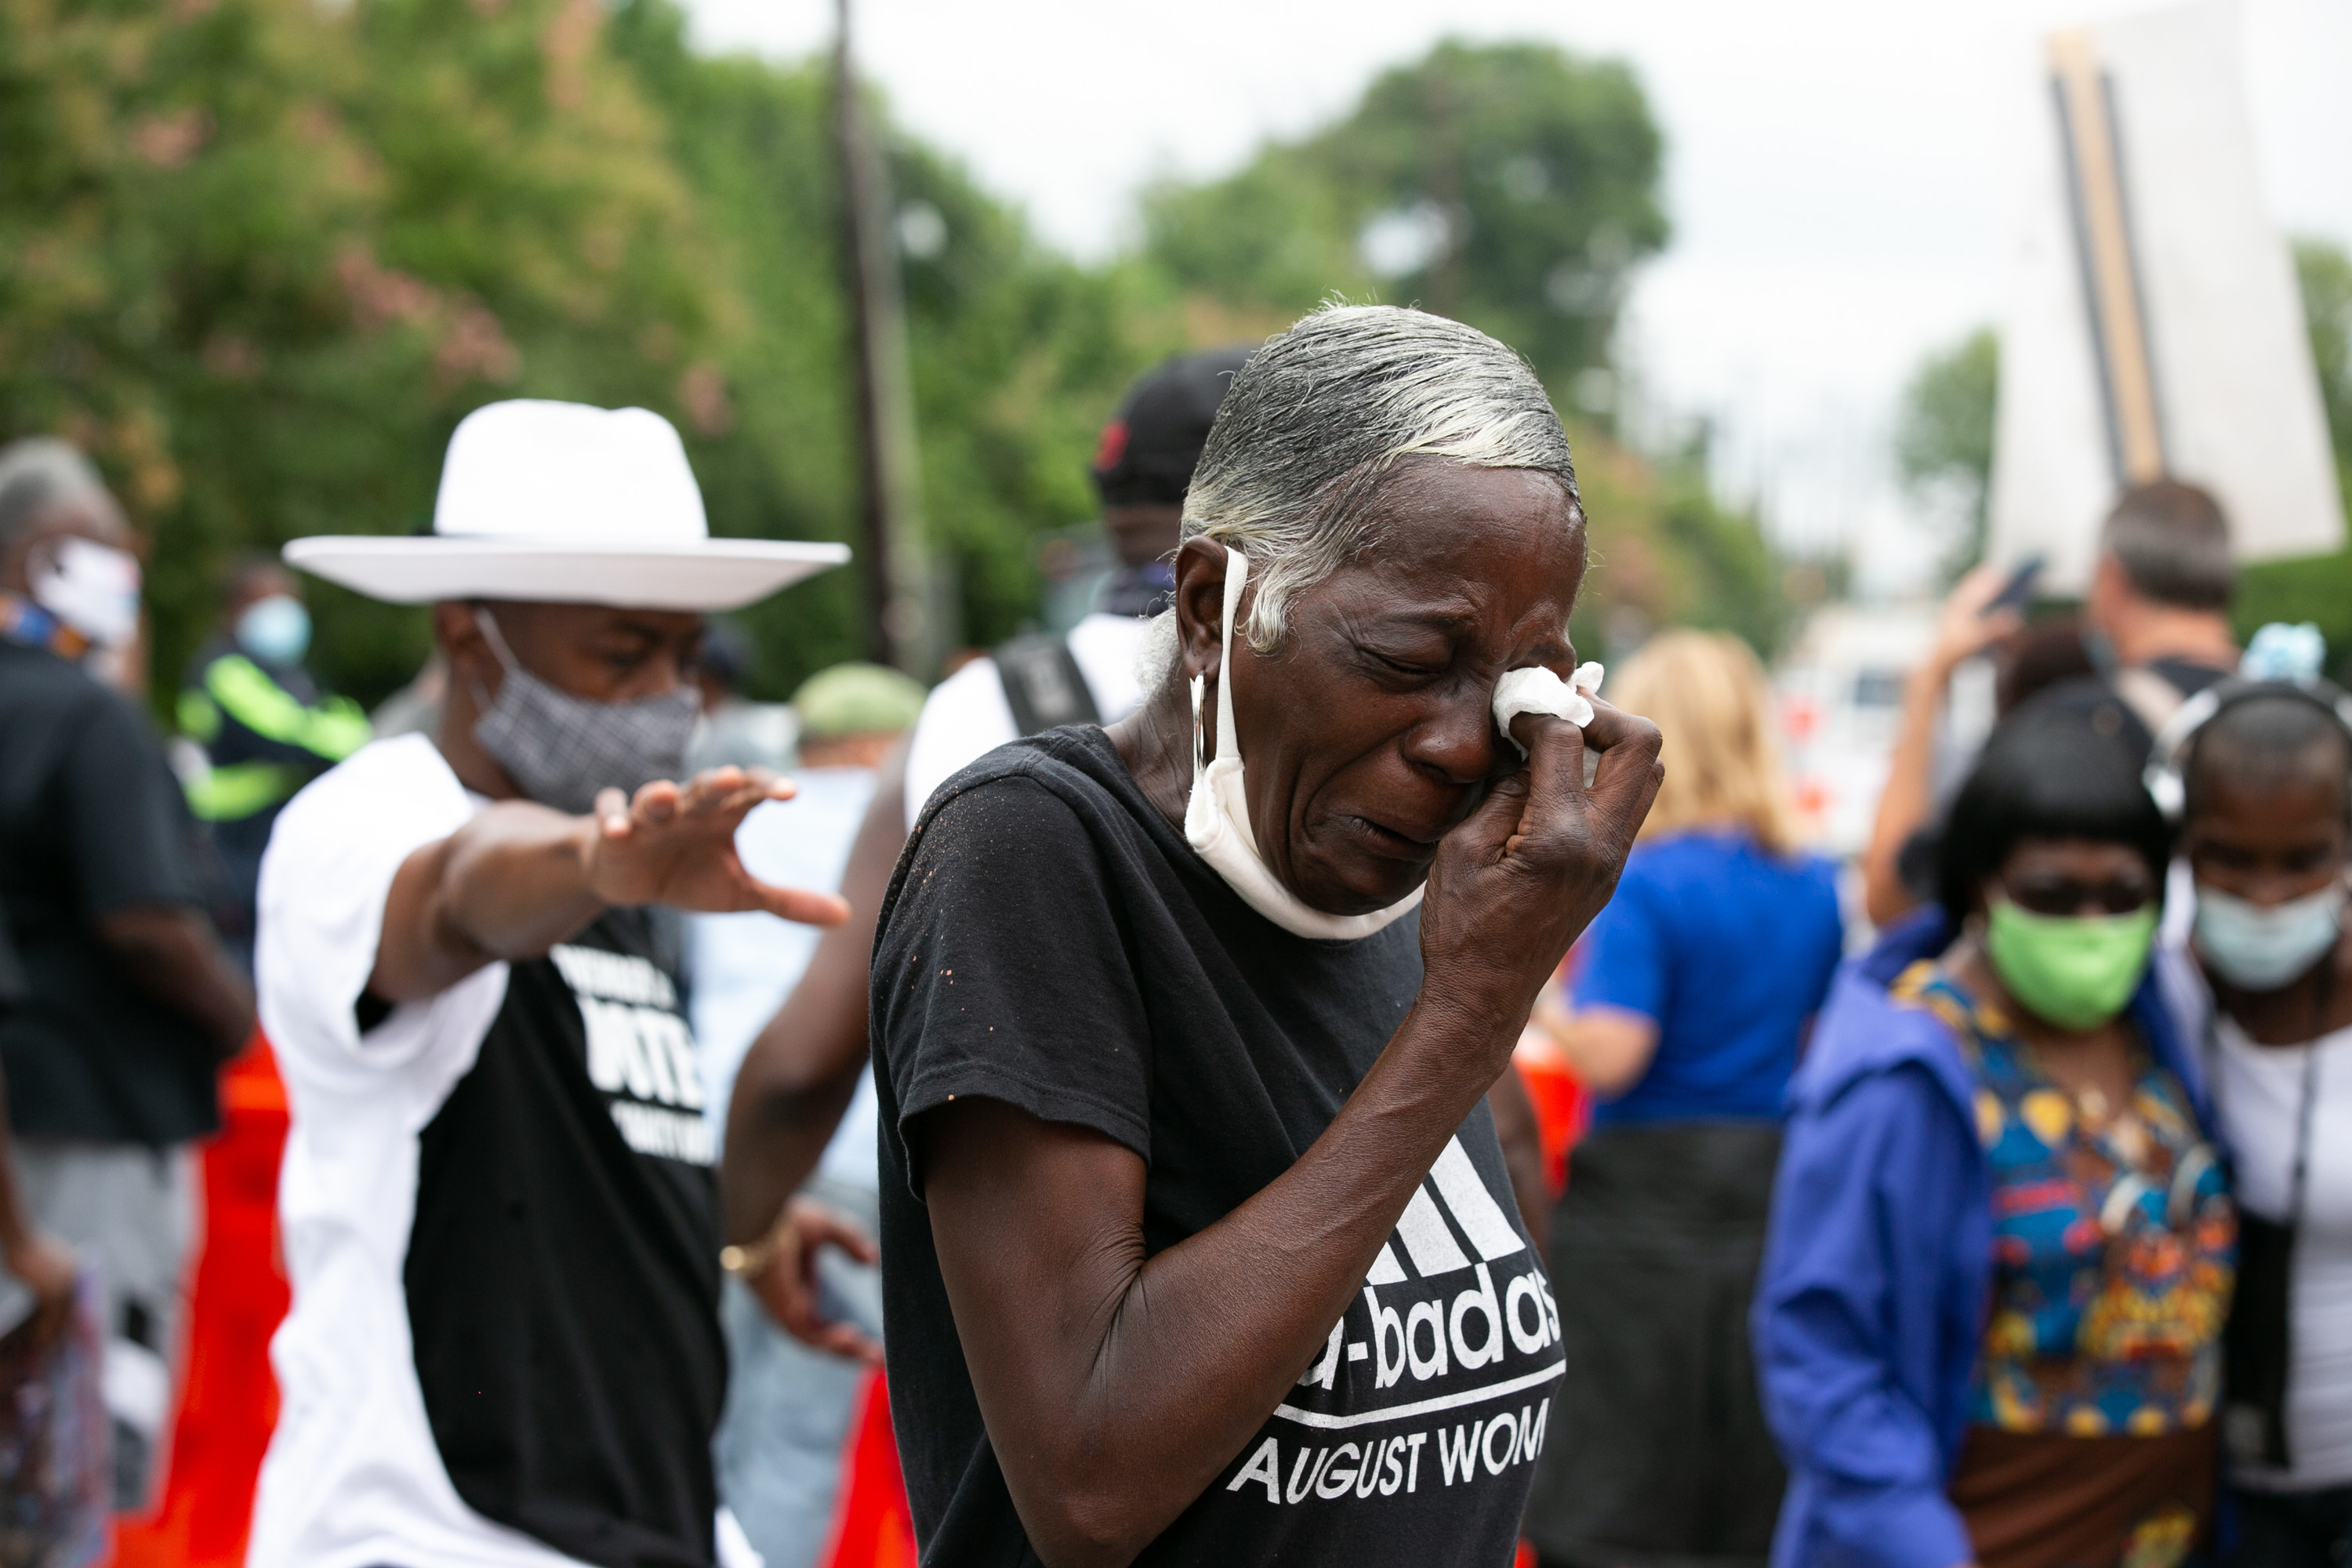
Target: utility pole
pixel 896 631
pixel 1442 187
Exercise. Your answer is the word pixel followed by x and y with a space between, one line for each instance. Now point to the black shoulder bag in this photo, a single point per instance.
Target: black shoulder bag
pixel 1043 684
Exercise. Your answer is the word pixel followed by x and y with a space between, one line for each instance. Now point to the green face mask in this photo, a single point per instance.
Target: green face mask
pixel 2074 971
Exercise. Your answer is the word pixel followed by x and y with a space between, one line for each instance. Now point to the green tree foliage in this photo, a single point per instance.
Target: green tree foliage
pixel 1513 187
pixel 1666 552
pixel 261 256
pixel 1018 356
pixel 1510 186
pixel 2325 271
pixel 1943 438
pixel 2318 588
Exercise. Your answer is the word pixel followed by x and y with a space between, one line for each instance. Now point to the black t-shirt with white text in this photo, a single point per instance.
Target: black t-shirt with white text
pixel 562 1275
pixel 1051 942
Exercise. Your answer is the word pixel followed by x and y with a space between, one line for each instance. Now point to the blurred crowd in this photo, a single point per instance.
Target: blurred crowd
pixel 1975 1203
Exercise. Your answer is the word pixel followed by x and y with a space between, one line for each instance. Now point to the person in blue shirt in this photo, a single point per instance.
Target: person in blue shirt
pixel 1697 984
pixel 1989 1319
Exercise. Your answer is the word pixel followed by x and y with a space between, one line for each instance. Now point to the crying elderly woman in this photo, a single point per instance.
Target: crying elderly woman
pixel 1198 1244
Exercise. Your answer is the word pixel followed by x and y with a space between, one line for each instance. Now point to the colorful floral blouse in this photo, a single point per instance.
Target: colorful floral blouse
pixel 2114 1241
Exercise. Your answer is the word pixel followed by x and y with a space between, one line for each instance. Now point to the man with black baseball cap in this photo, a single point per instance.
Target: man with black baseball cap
pixel 1141 468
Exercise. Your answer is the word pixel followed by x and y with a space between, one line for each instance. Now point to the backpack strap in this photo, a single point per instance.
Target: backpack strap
pixel 1043 684
pixel 2152 698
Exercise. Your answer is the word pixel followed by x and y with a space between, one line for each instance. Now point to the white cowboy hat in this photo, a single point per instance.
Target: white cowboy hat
pixel 564 503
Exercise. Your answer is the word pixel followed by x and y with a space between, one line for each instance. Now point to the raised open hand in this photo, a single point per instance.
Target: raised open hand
pixel 1516 882
pixel 1965 626
pixel 674 844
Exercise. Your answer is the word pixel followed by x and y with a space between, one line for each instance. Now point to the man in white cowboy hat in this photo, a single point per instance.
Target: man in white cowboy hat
pixel 499 1210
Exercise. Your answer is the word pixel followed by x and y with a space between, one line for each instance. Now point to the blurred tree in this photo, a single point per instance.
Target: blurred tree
pixel 1018 356
pixel 1666 552
pixel 261 256
pixel 1943 439
pixel 2318 588
pixel 2325 270
pixel 1510 186
pixel 1513 187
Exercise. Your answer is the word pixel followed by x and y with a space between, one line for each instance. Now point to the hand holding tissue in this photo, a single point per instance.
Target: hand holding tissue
pixel 1536 690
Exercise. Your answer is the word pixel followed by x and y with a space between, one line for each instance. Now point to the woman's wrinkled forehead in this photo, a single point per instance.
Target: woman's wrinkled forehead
pixel 1524 626
pixel 1461 544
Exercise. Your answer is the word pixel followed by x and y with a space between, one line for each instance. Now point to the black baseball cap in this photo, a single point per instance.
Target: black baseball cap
pixel 1152 444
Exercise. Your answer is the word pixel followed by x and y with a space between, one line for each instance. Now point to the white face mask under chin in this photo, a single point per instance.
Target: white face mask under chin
pixel 1217 818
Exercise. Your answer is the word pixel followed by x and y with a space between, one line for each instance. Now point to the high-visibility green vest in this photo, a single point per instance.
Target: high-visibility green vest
pixel 296 739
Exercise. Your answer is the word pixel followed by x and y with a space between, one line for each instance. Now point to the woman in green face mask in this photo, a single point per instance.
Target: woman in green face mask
pixel 2002 1243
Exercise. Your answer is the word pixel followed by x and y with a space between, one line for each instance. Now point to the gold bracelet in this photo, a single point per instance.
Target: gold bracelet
pixel 750 1262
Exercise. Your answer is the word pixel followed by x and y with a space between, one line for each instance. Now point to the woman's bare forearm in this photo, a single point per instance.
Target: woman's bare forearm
pixel 1117 1398
pixel 1903 804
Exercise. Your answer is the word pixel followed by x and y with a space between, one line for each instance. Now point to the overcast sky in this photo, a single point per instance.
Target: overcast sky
pixel 1837 169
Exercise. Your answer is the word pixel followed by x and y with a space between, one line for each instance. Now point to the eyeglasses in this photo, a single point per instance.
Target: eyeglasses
pixel 2063 896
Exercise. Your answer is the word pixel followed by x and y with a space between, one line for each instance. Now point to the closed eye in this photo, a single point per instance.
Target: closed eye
pixel 1402 676
pixel 1402 668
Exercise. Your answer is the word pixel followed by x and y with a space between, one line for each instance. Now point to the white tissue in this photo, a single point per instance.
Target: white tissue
pixel 1536 690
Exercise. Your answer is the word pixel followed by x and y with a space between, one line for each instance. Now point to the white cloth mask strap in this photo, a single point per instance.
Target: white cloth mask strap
pixel 1216 816
pixel 1236 573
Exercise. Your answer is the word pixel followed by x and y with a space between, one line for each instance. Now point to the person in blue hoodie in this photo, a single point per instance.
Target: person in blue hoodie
pixel 1988 1324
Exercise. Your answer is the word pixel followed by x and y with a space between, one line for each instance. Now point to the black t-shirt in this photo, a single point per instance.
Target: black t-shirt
pixel 91 822
pixel 1051 940
pixel 563 1274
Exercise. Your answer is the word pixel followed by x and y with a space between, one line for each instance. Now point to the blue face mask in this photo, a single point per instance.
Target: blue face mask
pixel 274 630
pixel 2259 948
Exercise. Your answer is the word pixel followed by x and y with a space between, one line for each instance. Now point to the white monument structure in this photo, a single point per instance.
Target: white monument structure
pixel 2154 327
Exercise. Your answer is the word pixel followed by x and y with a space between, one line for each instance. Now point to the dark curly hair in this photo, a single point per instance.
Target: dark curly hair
pixel 2045 773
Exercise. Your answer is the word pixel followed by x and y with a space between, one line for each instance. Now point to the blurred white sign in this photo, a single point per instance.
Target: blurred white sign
pixel 2154 326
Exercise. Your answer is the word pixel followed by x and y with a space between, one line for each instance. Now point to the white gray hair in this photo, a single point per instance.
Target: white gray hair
pixel 37 472
pixel 1323 413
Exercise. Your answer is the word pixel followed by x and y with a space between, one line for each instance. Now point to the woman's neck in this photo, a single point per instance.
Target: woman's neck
pixel 1155 742
pixel 2299 1012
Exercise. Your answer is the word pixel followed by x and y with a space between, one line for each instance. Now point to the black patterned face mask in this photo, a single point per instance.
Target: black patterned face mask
pixel 560 750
